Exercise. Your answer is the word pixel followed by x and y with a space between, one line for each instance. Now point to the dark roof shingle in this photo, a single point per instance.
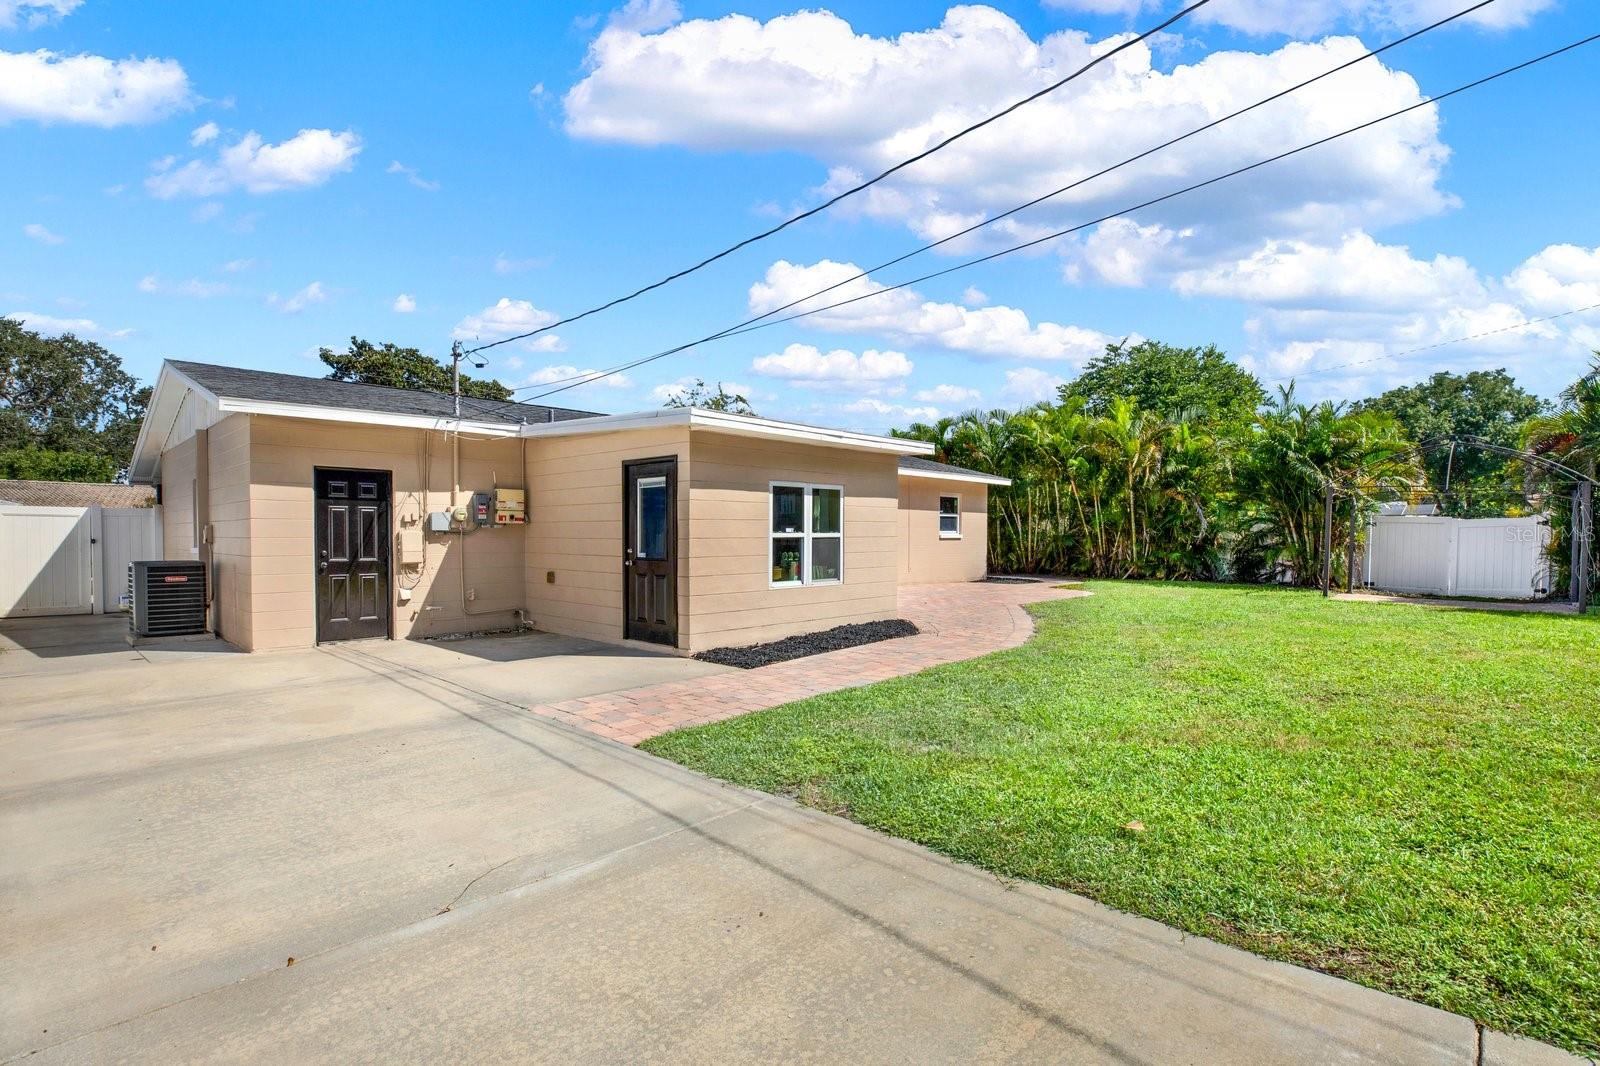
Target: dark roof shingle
pixel 76 494
pixel 917 462
pixel 266 385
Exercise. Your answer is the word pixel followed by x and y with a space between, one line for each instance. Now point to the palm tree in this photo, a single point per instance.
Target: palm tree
pixel 1571 434
pixel 1292 456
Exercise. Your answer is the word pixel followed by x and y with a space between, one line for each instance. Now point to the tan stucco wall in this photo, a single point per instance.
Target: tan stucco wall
pixel 177 501
pixel 575 527
pixel 728 561
pixel 284 454
pixel 228 508
pixel 925 558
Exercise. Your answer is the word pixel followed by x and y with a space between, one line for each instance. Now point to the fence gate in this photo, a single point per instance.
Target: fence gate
pixel 128 533
pixel 46 561
pixel 71 560
pixel 1494 558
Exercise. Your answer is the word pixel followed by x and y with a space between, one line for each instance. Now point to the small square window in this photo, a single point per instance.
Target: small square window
pixel 949 517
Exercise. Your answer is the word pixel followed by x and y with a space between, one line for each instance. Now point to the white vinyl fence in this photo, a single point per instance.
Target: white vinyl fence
pixel 1493 558
pixel 71 560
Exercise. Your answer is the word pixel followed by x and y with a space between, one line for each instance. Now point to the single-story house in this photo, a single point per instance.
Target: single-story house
pixel 331 510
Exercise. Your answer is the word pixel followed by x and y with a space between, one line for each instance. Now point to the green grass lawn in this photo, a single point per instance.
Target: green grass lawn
pixel 1407 797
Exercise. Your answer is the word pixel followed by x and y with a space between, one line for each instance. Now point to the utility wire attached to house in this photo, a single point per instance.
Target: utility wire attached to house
pixel 1056 235
pixel 853 190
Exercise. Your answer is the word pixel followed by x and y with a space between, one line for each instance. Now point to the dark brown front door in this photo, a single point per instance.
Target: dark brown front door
pixel 650 550
pixel 352 554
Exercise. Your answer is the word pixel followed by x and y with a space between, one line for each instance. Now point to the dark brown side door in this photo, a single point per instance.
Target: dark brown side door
pixel 650 550
pixel 352 554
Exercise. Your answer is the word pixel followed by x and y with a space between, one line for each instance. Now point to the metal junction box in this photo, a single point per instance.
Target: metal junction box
pixel 510 507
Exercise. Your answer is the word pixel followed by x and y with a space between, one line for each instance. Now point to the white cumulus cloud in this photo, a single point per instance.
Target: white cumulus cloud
pixel 857 103
pixel 1562 277
pixel 507 318
pixel 1358 273
pixel 550 375
pixel 949 394
pixel 1029 384
pixel 905 317
pixel 34 13
pixel 204 134
pixel 307 159
pixel 90 90
pixel 54 327
pixel 405 303
pixel 809 367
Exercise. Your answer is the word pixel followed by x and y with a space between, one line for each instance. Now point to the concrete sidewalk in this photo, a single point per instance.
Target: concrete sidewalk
pixel 457 879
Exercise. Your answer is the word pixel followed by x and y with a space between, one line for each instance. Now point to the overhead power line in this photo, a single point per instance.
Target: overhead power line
pixel 1073 185
pixel 736 331
pixel 847 193
pixel 1442 344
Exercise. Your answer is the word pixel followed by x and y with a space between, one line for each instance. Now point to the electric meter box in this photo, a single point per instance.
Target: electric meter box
pixel 510 507
pixel 479 513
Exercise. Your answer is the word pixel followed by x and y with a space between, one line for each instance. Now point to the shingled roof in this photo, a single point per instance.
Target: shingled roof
pixel 75 494
pixel 270 386
pixel 916 464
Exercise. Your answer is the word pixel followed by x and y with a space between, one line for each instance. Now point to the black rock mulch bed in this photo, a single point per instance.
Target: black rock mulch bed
pixel 798 647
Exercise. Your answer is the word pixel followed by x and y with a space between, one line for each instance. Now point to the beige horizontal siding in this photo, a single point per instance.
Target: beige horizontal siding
pixel 575 527
pixel 729 545
pixel 925 557
pixel 284 455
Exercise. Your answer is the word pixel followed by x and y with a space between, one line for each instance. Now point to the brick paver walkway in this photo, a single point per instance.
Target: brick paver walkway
pixel 956 622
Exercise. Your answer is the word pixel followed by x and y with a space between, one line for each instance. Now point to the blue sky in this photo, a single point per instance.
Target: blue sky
pixel 245 188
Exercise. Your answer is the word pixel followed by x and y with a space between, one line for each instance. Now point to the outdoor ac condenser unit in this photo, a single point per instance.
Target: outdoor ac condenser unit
pixel 168 598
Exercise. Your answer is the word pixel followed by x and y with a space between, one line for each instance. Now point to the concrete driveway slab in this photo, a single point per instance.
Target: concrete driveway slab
pixel 455 877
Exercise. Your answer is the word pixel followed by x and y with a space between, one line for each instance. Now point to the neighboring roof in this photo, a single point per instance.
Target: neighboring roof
pixel 269 386
pixel 75 494
pixel 696 418
pixel 917 466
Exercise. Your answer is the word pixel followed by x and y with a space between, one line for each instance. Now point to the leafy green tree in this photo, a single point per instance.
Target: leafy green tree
pixel 1483 403
pixel 67 395
pixel 706 398
pixel 1291 454
pixel 1571 436
pixel 1571 433
pixel 42 464
pixel 1126 494
pixel 1168 381
pixel 402 368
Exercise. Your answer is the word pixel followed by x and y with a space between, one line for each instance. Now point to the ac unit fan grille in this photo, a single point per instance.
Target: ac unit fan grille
pixel 168 598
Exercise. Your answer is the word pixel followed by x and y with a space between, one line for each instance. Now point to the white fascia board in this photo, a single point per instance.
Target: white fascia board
pixel 935 475
pixel 278 409
pixel 166 400
pixel 737 425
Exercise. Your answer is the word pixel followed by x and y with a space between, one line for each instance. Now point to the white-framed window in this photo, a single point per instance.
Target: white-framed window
pixel 807 534
pixel 949 517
